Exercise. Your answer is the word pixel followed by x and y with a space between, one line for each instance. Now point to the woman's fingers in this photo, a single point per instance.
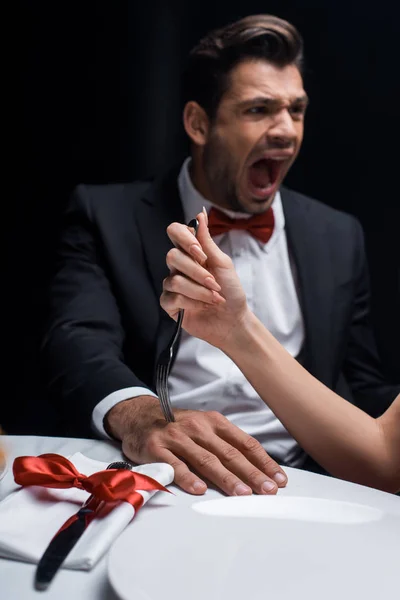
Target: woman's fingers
pixel 182 237
pixel 202 248
pixel 178 284
pixel 178 261
pixel 173 302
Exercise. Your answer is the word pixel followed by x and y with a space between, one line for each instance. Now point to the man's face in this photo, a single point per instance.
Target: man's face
pixel 255 137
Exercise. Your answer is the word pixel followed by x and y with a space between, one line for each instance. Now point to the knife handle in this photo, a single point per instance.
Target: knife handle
pixel 58 549
pixel 68 535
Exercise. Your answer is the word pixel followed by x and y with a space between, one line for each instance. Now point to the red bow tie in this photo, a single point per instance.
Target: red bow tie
pixel 260 226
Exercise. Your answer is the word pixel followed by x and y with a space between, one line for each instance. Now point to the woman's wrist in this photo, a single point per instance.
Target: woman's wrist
pixel 247 337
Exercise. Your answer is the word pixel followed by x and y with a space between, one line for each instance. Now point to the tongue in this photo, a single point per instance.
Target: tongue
pixel 259 174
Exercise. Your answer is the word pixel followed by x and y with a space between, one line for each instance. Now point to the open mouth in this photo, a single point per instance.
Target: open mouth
pixel 263 176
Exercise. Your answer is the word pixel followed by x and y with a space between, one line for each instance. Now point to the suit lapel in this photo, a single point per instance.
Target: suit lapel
pixel 160 206
pixel 157 209
pixel 310 251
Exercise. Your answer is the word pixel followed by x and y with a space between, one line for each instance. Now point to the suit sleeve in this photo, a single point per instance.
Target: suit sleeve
pixel 82 350
pixel 363 369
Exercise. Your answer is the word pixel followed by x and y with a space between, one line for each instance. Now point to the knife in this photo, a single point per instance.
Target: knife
pixel 67 536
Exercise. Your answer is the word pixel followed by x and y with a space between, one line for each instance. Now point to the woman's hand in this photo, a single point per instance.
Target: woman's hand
pixel 204 283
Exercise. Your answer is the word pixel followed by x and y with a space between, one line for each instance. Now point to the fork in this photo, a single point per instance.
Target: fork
pixel 165 359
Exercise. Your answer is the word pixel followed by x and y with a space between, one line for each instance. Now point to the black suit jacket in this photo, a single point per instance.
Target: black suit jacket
pixel 106 325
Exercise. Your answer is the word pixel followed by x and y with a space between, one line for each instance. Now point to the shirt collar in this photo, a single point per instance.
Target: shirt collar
pixel 193 202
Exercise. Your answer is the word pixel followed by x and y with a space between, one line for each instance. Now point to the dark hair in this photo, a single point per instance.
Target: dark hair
pixel 265 37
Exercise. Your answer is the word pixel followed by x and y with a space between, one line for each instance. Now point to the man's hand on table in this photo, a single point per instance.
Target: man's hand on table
pixel 204 441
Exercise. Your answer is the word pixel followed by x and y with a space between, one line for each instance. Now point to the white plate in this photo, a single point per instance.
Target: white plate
pixel 258 547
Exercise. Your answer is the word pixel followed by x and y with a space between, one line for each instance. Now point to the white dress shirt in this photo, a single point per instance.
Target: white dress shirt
pixel 203 377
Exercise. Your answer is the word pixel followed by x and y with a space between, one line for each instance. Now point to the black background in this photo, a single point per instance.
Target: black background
pixel 93 90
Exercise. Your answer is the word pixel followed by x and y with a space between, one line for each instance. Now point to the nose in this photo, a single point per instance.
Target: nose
pixel 282 132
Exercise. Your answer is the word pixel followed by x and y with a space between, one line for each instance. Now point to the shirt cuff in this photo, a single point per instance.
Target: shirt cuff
pixel 102 408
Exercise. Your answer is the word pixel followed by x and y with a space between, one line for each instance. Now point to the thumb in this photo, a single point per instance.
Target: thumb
pixel 215 256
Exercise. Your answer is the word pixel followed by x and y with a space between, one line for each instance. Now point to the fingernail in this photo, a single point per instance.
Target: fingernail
pixel 198 253
pixel 212 284
pixel 205 214
pixel 280 478
pixel 199 486
pixel 242 490
pixel 217 298
pixel 268 487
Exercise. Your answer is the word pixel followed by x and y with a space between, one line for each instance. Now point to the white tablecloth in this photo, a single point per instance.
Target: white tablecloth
pixel 16 579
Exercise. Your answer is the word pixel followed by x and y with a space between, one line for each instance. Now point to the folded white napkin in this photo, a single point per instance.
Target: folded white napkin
pixel 29 517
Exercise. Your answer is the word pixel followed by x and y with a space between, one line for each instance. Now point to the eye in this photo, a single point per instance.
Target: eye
pixel 256 110
pixel 297 110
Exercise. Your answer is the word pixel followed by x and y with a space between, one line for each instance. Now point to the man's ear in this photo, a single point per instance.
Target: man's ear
pixel 196 123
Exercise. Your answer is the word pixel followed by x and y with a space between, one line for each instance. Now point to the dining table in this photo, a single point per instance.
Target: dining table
pixel 171 549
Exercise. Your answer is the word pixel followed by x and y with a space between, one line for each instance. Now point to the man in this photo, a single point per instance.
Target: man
pixel 302 266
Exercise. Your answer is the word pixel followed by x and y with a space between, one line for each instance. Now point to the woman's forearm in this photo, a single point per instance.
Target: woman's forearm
pixel 347 442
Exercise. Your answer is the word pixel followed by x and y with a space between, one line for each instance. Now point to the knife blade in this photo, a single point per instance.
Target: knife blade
pixel 67 536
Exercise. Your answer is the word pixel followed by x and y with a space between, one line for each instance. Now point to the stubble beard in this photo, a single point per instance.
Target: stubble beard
pixel 220 177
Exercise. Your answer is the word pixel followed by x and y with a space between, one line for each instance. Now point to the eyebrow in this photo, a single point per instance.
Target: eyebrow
pixel 272 101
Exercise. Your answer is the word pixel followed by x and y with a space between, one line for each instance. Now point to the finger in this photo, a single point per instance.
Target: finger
pixel 183 477
pixel 215 256
pixel 208 465
pixel 179 261
pixel 183 237
pixel 237 463
pixel 182 285
pixel 251 449
pixel 172 303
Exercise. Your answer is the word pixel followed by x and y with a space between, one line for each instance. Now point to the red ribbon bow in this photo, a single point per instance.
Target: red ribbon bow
pixel 260 226
pixel 55 471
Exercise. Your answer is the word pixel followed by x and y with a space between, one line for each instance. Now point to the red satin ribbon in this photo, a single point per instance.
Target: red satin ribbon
pixel 55 471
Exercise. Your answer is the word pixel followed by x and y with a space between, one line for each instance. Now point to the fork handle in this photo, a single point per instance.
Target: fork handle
pixel 178 327
pixel 164 401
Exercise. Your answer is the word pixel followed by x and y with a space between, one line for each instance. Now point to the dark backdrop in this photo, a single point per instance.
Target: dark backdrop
pixel 94 97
